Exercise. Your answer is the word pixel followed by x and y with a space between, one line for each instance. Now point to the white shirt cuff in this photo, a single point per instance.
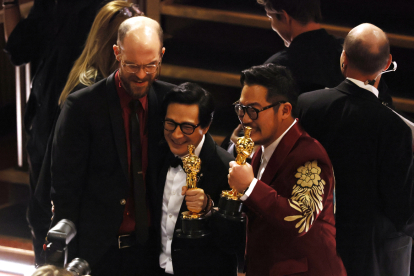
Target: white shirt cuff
pixel 249 190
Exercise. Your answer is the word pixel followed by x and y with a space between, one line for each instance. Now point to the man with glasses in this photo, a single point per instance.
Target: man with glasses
pixel 188 112
pixel 288 189
pixel 105 153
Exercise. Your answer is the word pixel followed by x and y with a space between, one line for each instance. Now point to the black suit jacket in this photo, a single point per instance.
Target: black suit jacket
pixel 198 256
pixel 90 168
pixel 371 151
pixel 313 59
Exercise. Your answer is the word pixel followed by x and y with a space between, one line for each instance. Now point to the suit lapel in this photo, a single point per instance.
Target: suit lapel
pixel 282 150
pixel 256 161
pixel 154 126
pixel 207 151
pixel 115 112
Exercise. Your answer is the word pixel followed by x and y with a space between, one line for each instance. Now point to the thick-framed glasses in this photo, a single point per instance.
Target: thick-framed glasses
pixel 186 128
pixel 251 111
pixel 134 68
pixel 127 12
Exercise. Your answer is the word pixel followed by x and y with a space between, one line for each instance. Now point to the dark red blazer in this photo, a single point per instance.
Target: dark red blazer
pixel 291 225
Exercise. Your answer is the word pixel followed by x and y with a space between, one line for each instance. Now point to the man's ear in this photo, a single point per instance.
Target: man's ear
pixel 343 59
pixel 388 63
pixel 116 51
pixel 206 129
pixel 285 17
pixel 286 110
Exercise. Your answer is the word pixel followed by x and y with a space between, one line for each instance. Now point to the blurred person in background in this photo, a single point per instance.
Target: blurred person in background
pixel 51 38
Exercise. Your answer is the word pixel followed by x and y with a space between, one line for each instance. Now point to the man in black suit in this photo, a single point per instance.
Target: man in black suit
pixel 95 182
pixel 312 54
pixel 188 112
pixel 371 152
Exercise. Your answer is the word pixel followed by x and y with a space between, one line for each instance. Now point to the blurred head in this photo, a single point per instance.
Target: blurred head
pixel 192 107
pixel 303 11
pixel 139 51
pixel 97 56
pixel 366 49
pixel 267 102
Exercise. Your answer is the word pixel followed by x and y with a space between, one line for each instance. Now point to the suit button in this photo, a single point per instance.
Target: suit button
pixel 123 202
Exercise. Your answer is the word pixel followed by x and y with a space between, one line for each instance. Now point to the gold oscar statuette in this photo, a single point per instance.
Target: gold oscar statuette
pixel 193 224
pixel 244 148
pixel 191 166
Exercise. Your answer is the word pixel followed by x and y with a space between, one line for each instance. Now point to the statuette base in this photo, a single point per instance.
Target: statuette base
pixel 193 226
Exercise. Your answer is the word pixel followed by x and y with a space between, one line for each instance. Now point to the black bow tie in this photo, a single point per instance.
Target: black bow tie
pixel 175 161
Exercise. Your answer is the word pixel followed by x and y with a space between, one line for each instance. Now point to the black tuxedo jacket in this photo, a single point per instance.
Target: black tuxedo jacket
pixel 198 256
pixel 90 180
pixel 371 151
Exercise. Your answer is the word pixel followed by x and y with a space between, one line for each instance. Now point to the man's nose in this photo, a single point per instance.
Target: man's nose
pixel 141 72
pixel 246 119
pixel 177 133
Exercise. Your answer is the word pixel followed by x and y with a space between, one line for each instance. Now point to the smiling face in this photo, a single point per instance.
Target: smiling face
pixel 265 129
pixel 177 140
pixel 136 50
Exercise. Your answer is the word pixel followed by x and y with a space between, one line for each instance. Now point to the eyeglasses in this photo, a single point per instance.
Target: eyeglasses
pixel 251 111
pixel 134 68
pixel 186 128
pixel 127 12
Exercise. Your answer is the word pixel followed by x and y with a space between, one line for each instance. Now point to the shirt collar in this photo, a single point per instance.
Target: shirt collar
pixel 268 151
pixel 124 97
pixel 365 86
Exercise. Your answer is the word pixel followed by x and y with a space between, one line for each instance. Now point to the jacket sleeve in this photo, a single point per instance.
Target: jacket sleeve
pixel 310 187
pixel 70 153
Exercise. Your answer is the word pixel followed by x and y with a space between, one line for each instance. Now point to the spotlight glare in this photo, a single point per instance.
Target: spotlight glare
pixel 17 268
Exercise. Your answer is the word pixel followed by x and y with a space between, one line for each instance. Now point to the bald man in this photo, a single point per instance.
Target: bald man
pixel 96 181
pixel 371 151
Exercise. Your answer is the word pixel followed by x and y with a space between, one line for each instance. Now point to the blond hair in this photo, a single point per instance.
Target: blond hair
pixel 51 270
pixel 97 57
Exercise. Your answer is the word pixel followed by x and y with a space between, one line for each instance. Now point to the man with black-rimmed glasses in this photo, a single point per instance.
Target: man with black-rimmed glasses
pixel 187 115
pixel 288 189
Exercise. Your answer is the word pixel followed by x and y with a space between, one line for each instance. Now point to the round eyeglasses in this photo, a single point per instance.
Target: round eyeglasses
pixel 251 111
pixel 186 128
pixel 134 68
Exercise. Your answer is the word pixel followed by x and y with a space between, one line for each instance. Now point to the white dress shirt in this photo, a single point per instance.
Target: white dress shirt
pixel 171 205
pixel 368 87
pixel 266 155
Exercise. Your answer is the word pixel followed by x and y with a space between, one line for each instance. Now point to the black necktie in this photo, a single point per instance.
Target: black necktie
pixel 141 214
pixel 175 161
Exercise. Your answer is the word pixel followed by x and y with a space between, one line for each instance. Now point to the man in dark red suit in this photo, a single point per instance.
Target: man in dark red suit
pixel 289 187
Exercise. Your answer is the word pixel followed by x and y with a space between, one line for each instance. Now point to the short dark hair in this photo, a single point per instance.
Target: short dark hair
pixel 276 79
pixel 363 57
pixel 191 93
pixel 304 11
